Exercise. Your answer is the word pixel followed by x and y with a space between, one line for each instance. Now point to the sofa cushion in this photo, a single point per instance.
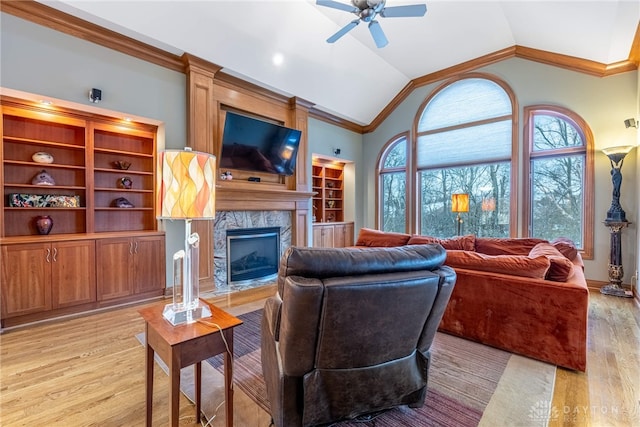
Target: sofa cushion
pixel 463 243
pixel 515 265
pixel 560 267
pixel 566 247
pixel 506 246
pixel 377 238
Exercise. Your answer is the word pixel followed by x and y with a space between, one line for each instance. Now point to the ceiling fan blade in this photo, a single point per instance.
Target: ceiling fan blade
pixel 378 34
pixel 344 30
pixel 338 5
pixel 404 11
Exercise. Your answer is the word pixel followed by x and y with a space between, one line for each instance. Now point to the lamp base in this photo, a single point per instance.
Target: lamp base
pixel 616 291
pixel 181 315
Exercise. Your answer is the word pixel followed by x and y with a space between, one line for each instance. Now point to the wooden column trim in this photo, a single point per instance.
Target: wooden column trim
pixel 201 126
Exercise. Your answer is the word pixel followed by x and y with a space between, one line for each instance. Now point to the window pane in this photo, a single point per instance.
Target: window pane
pixel 486 143
pixel 465 101
pixel 488 187
pixel 397 156
pixel 394 203
pixel 557 198
pixel 554 132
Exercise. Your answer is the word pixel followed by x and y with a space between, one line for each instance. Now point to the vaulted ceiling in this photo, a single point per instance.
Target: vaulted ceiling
pixel 352 78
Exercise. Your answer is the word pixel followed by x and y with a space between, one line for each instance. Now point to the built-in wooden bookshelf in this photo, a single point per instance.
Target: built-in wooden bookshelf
pixel 92 161
pixel 329 228
pixel 328 185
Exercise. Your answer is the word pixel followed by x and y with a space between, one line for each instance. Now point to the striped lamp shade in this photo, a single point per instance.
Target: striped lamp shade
pixel 460 202
pixel 187 186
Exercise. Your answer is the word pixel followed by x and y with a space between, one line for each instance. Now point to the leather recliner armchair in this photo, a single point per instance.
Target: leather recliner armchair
pixel 348 332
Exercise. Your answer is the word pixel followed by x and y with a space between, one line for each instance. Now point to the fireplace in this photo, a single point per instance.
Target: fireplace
pixel 252 254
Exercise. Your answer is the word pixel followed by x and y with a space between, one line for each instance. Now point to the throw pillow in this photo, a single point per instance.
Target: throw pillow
pixel 560 268
pixel 377 238
pixel 506 246
pixel 566 247
pixel 515 265
pixel 462 243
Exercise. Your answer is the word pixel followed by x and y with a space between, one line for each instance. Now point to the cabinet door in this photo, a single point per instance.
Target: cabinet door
pixel 73 273
pixel 149 264
pixel 26 279
pixel 317 236
pixel 348 234
pixel 114 259
pixel 339 236
pixel 326 236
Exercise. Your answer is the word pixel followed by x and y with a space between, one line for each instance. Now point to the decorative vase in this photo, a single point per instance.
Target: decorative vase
pixel 44 224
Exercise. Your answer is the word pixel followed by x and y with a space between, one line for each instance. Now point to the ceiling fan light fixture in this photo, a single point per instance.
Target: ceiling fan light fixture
pixel 367 10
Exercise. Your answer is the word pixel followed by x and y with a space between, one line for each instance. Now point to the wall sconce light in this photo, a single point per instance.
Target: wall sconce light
pixel 459 203
pixel 95 95
pixel 630 123
pixel 616 220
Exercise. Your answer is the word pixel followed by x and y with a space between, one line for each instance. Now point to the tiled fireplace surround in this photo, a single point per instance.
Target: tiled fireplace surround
pixel 231 220
pixel 247 205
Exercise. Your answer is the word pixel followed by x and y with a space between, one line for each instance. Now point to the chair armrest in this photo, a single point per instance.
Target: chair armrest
pixel 271 315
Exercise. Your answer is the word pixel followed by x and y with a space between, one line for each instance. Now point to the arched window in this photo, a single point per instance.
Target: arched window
pixel 559 161
pixel 392 186
pixel 465 137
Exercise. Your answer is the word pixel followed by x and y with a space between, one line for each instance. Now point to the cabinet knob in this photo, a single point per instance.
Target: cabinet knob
pixel 48 257
pixel 55 254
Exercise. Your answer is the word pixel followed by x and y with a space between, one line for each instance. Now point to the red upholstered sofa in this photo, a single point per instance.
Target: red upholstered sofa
pixel 527 296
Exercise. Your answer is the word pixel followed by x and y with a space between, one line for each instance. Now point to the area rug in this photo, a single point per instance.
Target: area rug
pixel 470 384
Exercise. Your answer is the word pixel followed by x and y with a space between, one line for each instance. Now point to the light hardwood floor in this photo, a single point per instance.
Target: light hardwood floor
pixel 89 371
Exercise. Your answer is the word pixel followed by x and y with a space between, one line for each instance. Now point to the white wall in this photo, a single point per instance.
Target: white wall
pixel 603 103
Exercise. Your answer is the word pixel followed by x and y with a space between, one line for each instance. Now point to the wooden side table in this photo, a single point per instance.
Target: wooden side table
pixel 184 345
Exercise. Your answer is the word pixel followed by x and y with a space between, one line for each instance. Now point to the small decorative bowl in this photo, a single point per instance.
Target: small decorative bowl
pixel 42 157
pixel 123 165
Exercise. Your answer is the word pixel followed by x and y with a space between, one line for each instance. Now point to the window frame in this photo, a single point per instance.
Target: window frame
pixel 528 155
pixel 514 177
pixel 380 171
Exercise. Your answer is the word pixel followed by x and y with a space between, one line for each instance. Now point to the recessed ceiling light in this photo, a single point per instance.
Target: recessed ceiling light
pixel 46 102
pixel 278 59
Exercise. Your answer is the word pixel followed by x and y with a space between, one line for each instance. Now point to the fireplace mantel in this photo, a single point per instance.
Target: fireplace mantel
pixel 255 196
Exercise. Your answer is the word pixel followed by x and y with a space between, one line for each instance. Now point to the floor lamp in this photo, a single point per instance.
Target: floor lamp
pixel 186 191
pixel 459 204
pixel 616 220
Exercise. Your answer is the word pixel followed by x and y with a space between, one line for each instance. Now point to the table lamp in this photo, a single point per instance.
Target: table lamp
pixel 186 190
pixel 459 203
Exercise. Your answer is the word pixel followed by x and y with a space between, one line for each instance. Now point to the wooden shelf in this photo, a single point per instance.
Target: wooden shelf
pixel 327 177
pixel 62 268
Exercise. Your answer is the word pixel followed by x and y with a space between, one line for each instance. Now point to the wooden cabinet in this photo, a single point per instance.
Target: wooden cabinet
pixel 73 273
pixel 92 162
pixel 328 202
pixel 130 266
pixel 336 235
pixel 37 277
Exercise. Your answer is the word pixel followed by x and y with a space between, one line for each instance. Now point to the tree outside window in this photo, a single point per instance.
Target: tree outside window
pixel 558 166
pixel 392 181
pixel 464 143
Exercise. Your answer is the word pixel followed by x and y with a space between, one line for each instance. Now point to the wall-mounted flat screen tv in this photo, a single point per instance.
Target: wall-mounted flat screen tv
pixel 256 145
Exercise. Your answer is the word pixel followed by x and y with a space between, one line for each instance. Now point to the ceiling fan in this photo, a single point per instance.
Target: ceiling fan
pixel 367 10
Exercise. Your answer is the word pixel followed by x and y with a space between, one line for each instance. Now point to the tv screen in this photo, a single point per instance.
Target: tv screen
pixel 255 145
